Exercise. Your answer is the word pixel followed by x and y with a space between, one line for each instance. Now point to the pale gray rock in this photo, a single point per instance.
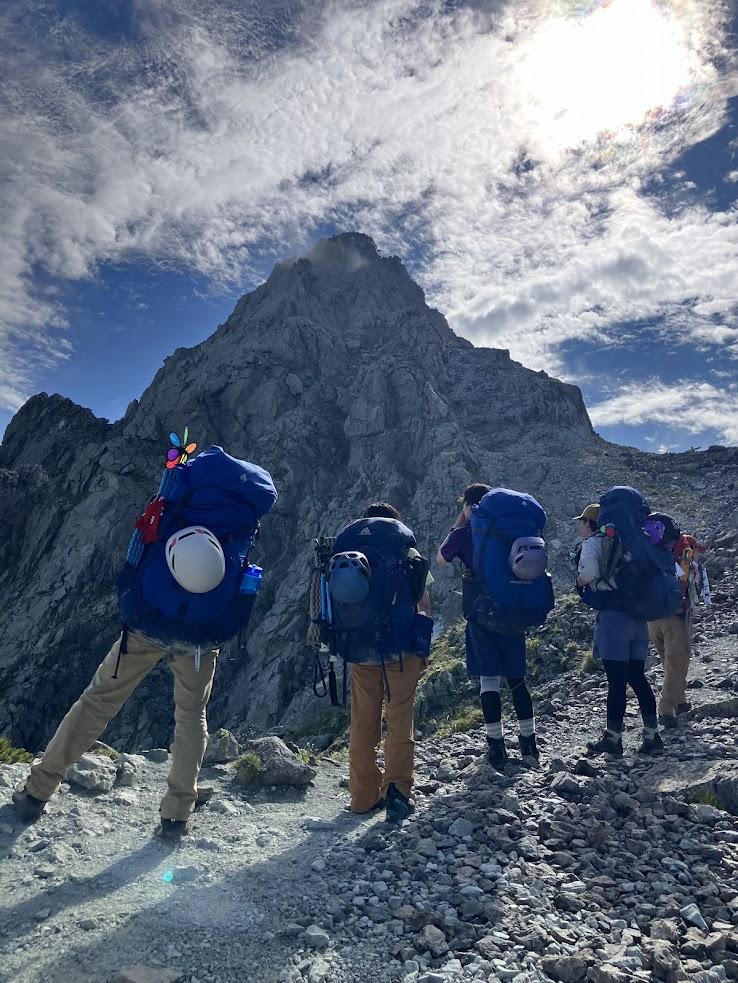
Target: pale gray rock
pixel 692 915
pixel 222 748
pixel 317 937
pixel 278 765
pixel 93 772
pixel 147 974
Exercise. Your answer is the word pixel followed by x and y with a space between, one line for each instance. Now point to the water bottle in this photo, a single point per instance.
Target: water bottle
pixel 251 581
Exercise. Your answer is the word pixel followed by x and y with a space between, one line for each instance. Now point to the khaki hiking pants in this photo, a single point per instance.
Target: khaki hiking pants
pixel 367 784
pixel 104 697
pixel 672 639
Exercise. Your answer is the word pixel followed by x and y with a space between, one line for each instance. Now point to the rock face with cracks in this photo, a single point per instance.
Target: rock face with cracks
pixel 336 376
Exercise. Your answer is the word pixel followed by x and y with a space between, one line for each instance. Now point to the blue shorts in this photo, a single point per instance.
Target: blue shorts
pixel 490 653
pixel 620 638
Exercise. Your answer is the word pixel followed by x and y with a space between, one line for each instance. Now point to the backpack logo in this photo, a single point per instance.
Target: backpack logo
pixel 366 532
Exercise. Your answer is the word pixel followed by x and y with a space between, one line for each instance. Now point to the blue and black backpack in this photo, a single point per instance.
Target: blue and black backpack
pixel 503 523
pixel 387 619
pixel 226 496
pixel 647 586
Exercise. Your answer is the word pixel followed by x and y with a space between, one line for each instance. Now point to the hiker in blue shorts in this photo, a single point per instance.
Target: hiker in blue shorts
pixel 490 655
pixel 620 641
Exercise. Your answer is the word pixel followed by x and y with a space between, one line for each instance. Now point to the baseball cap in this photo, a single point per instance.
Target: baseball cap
pixel 591 512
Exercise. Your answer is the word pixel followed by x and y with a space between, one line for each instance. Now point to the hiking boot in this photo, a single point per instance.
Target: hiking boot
pixel 668 720
pixel 652 745
pixel 607 744
pixel 399 806
pixel 528 746
pixel 174 829
pixel 497 754
pixel 28 807
pixel 683 708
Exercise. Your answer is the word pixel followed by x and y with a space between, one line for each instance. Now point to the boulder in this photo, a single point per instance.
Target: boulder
pixel 222 747
pixel 696 779
pixel 268 761
pixel 721 709
pixel 94 772
pixel 565 969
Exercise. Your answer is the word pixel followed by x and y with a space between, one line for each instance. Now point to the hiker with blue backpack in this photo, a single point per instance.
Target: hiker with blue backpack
pixel 373 612
pixel 629 581
pixel 186 588
pixel 506 590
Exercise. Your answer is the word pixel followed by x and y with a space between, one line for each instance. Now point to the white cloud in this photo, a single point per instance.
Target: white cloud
pixel 223 129
pixel 689 406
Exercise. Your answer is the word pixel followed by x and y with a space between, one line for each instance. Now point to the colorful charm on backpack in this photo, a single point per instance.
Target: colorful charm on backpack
pixel 180 450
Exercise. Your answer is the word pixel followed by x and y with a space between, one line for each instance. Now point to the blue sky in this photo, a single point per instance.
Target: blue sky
pixel 561 176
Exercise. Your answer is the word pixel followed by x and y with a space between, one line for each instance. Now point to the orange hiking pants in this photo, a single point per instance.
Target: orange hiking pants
pixel 672 639
pixel 367 783
pixel 104 697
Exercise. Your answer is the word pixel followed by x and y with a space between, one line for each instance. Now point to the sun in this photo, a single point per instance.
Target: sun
pixel 606 70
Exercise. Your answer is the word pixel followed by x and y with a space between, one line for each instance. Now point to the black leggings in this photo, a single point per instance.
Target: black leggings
pixel 492 704
pixel 619 674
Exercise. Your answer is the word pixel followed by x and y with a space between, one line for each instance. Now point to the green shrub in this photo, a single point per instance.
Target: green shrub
pixel 704 797
pixel 10 755
pixel 590 663
pixel 105 750
pixel 248 768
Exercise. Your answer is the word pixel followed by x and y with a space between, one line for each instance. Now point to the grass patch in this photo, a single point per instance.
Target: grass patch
pixel 104 750
pixel 248 768
pixel 465 718
pixel 304 756
pixel 704 797
pixel 10 755
pixel 589 662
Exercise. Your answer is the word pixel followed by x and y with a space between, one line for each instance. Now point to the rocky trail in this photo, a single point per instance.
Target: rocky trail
pixel 575 869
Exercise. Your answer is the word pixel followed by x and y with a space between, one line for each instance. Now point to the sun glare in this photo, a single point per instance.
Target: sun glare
pixel 603 71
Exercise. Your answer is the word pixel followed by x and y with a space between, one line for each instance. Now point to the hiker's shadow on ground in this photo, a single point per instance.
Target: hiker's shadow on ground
pixel 9 819
pixel 230 912
pixel 17 921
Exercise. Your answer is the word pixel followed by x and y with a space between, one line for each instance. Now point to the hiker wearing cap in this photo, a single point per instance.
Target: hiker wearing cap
pixel 185 589
pixel 620 640
pixel 377 618
pixel 490 655
pixel 672 636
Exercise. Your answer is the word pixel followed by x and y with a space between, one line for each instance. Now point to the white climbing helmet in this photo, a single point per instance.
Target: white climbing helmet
pixel 195 559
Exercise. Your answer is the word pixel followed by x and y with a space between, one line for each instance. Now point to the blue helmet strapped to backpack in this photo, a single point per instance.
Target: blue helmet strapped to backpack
pixel 227 496
pixel 349 575
pixel 376 606
pixel 510 562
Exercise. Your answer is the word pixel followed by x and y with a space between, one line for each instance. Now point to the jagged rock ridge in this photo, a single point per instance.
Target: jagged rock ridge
pixel 336 376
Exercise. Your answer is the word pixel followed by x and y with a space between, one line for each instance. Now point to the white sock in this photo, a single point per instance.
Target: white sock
pixel 527 727
pixel 494 730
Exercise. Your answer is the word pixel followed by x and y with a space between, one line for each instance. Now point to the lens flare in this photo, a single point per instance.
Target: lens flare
pixel 168 876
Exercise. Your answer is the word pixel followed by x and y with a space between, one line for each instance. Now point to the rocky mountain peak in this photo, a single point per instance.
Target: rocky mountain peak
pixel 336 376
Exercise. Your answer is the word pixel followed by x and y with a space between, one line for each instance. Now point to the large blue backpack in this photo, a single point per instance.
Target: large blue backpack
pixel 647 586
pixel 387 620
pixel 226 496
pixel 507 603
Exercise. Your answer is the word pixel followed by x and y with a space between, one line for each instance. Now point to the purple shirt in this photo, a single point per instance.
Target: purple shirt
pixel 458 543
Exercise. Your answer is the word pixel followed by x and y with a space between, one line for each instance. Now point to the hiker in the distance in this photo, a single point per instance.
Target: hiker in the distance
pixel 497 572
pixel 672 636
pixel 625 578
pixel 186 588
pixel 377 617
